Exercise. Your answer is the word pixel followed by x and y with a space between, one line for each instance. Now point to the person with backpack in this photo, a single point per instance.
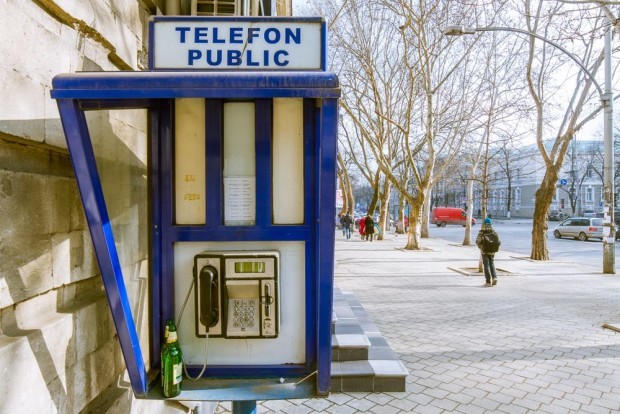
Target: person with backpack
pixel 488 242
pixel 347 224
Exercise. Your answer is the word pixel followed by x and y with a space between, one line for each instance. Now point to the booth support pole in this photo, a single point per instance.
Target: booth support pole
pixel 327 147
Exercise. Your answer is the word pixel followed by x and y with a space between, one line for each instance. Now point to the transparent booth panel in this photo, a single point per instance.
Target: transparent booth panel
pixel 120 146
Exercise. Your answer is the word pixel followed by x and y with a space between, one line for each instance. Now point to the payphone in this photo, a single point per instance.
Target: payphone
pixel 237 294
pixel 242 177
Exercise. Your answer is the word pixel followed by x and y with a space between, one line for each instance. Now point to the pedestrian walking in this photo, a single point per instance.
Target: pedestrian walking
pixel 369 227
pixel 340 219
pixel 347 224
pixel 362 224
pixel 488 242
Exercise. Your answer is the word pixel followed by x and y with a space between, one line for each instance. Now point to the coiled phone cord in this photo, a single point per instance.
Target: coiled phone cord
pixel 204 367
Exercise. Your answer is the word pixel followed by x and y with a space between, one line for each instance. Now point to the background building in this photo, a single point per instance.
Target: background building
pixel 578 190
pixel 517 174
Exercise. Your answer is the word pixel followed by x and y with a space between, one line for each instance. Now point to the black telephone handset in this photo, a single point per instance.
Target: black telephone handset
pixel 209 311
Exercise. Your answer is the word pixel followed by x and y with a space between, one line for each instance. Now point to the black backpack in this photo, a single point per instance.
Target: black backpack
pixel 490 242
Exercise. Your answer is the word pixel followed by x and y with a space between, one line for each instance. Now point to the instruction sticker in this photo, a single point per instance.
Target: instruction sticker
pixel 239 200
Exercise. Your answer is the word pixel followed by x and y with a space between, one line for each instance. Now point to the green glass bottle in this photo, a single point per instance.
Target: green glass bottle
pixel 172 364
pixel 164 345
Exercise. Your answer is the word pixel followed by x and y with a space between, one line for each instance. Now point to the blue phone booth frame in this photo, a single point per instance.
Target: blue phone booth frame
pixel 156 91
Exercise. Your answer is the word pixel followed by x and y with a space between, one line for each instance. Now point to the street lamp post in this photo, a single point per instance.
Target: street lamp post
pixel 609 230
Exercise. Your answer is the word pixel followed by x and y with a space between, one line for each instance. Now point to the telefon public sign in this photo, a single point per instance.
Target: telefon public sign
pixel 237 44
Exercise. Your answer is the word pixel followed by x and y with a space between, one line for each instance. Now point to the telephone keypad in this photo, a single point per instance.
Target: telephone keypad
pixel 244 316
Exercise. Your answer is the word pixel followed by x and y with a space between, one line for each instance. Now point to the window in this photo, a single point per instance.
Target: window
pixel 589 194
pixel 215 7
pixel 517 197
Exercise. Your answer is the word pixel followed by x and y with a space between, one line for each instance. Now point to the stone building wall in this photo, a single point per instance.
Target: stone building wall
pixel 58 347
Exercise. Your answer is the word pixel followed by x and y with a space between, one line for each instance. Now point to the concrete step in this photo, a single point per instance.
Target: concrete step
pixel 362 360
pixel 349 343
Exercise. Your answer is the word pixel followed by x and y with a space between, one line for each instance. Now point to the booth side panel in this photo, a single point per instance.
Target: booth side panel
pixel 91 192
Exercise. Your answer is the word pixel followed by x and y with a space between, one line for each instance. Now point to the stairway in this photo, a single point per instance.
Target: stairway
pixel 362 360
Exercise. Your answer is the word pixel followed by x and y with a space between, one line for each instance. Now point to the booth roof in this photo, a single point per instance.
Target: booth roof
pixel 151 85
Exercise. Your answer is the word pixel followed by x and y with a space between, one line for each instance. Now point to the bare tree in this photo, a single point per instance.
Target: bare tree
pixel 345 185
pixel 552 22
pixel 439 98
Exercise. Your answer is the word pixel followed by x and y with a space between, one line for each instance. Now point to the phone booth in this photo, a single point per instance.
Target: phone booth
pixel 242 120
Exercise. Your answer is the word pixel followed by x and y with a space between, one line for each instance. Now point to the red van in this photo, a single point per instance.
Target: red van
pixel 442 216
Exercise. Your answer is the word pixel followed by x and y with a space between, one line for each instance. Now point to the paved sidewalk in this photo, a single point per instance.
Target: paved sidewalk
pixel 533 343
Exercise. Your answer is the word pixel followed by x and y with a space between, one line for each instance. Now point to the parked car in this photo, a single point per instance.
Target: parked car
pixel 556 215
pixel 442 216
pixel 582 228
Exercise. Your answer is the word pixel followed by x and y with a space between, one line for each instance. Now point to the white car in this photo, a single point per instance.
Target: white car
pixel 582 228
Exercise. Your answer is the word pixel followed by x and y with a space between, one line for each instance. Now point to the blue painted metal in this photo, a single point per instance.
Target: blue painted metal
pixel 160 85
pixel 310 214
pixel 213 148
pixel 158 124
pixel 156 91
pixel 327 149
pixel 166 209
pixel 263 161
pixel 244 407
pixel 84 165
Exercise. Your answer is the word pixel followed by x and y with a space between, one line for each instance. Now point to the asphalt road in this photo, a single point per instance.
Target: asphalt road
pixel 516 236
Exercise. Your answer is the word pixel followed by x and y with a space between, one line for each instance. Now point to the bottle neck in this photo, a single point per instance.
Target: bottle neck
pixel 172 337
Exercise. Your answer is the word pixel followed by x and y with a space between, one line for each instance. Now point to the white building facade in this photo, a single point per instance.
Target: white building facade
pixel 578 190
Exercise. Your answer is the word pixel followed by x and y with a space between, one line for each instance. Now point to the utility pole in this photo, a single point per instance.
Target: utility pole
pixel 609 231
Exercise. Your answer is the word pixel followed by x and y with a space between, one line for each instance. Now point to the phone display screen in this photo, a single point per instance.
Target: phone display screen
pixel 249 267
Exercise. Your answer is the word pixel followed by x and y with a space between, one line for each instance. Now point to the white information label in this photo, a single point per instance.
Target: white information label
pixel 239 200
pixel 219 43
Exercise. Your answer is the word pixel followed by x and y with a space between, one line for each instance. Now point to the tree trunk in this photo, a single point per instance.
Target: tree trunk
pixel 400 222
pixel 509 190
pixel 344 207
pixel 385 197
pixel 350 196
pixel 544 195
pixel 470 213
pixel 375 195
pixel 424 233
pixel 413 235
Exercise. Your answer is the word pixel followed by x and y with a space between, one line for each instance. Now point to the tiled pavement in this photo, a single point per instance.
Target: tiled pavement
pixel 533 343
